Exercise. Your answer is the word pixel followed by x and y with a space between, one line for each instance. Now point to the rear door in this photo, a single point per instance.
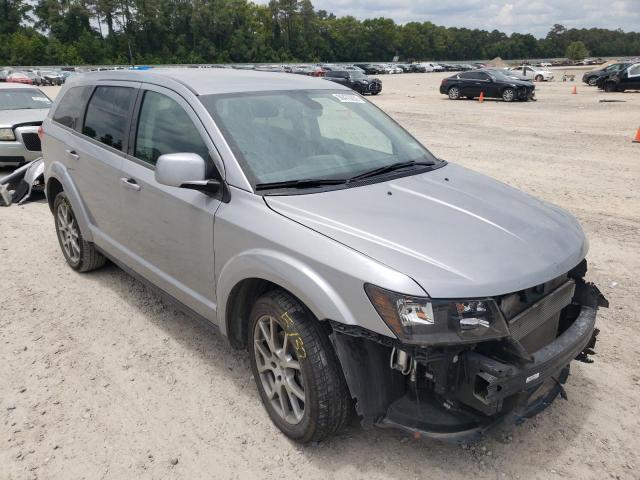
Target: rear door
pixel 169 230
pixel 94 158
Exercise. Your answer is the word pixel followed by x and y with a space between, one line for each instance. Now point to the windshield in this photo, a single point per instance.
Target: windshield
pixel 23 98
pixel 293 135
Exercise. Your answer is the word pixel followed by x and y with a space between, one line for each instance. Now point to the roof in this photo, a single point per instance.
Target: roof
pixel 12 85
pixel 207 81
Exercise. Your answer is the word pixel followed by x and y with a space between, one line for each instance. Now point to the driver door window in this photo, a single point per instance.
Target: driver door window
pixel 164 127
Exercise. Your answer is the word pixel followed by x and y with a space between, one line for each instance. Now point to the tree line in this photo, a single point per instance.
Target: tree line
pixel 76 32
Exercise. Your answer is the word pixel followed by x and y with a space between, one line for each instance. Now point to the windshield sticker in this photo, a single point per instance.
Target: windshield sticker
pixel 348 98
pixel 40 99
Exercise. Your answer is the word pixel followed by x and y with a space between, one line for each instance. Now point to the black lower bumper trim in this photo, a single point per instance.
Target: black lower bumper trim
pixel 510 393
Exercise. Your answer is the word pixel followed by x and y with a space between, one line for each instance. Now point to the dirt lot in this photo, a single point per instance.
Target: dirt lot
pixel 100 379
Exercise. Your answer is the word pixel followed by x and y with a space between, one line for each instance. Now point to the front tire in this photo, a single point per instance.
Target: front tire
pixel 454 93
pixel 296 369
pixel 79 254
pixel 508 94
pixel 592 81
pixel 539 78
pixel 610 87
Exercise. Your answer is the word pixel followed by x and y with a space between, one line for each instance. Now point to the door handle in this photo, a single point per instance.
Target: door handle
pixel 130 183
pixel 72 155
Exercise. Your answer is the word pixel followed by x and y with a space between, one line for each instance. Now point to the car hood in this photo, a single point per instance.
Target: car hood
pixel 454 231
pixel 520 83
pixel 10 118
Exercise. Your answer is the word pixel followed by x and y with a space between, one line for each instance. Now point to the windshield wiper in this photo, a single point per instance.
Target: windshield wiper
pixel 320 182
pixel 303 183
pixel 389 168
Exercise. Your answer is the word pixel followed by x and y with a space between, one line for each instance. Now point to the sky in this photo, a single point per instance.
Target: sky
pixel 534 16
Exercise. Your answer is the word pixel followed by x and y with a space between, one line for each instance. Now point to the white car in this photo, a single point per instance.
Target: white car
pixel 432 67
pixel 534 73
pixel 391 68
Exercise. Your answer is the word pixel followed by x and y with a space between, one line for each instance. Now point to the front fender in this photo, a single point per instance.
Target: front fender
pixel 307 285
pixel 58 171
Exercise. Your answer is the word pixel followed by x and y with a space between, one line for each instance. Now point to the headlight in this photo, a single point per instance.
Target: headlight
pixel 6 134
pixel 422 320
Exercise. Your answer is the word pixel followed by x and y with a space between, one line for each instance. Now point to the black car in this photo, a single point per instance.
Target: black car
pixel 357 81
pixel 493 84
pixel 592 77
pixel 417 68
pixel 625 79
pixel 369 68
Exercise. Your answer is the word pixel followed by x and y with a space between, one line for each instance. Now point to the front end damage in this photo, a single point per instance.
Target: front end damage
pixel 459 392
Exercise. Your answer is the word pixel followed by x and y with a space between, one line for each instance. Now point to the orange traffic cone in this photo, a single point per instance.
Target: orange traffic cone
pixel 637 139
pixel 575 90
pixel 481 97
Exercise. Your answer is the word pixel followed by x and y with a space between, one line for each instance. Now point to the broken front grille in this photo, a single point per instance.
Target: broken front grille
pixel 542 310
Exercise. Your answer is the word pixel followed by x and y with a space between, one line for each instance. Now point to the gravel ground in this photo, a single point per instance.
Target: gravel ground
pixel 99 379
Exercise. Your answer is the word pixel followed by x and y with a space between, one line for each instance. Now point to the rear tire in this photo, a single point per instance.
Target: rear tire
pixel 79 254
pixel 454 93
pixel 297 373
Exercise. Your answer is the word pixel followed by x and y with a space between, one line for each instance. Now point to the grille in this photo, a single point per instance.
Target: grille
pixel 530 319
pixel 11 159
pixel 31 141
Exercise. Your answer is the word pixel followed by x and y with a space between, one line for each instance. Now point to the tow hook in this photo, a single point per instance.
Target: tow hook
pixel 403 362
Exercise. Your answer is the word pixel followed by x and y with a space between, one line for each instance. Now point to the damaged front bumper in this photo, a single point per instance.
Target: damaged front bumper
pixel 460 393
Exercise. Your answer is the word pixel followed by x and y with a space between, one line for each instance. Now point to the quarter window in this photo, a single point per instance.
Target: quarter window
pixel 108 114
pixel 69 109
pixel 164 127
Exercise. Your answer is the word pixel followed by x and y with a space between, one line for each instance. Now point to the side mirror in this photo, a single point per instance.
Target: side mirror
pixel 184 170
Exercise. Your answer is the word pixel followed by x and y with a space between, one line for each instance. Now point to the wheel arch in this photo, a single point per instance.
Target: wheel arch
pixel 251 274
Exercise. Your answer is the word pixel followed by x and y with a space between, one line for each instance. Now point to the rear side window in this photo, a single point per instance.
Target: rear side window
pixel 164 127
pixel 108 114
pixel 70 108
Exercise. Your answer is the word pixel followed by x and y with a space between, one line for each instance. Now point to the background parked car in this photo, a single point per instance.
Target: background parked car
pixel 20 77
pixel 432 67
pixel 417 68
pixel 592 77
pixel 492 83
pixel 22 110
pixel 357 81
pixel 625 79
pixel 369 68
pixel 534 73
pixel 4 73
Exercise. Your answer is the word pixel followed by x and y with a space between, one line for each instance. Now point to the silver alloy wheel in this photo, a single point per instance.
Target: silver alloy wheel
pixel 593 81
pixel 279 369
pixel 454 93
pixel 508 95
pixel 68 232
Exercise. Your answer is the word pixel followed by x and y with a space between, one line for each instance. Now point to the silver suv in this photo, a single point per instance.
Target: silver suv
pixel 355 267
